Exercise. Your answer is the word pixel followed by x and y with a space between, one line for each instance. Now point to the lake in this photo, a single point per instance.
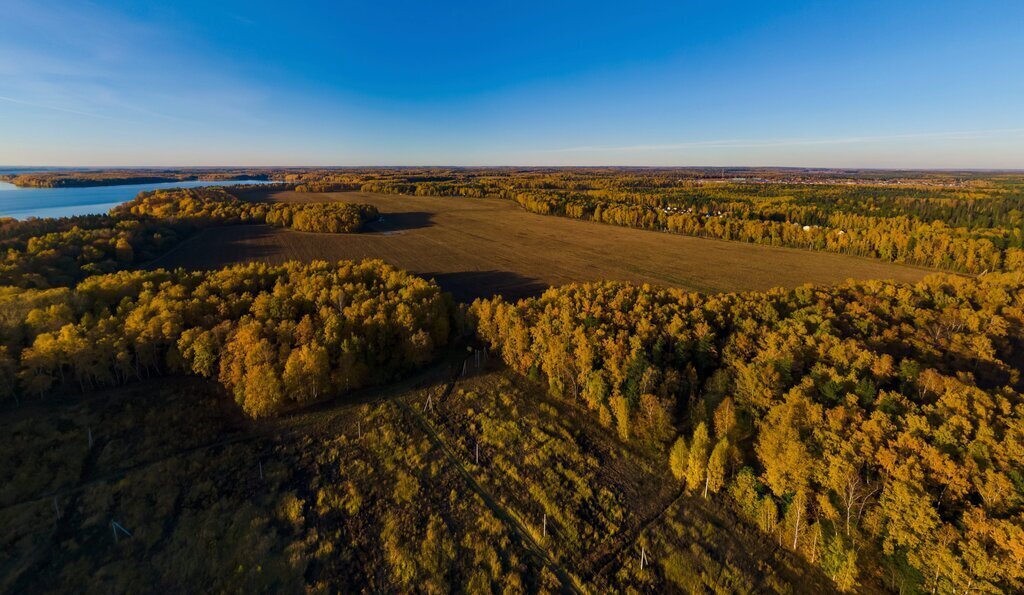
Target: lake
pixel 22 203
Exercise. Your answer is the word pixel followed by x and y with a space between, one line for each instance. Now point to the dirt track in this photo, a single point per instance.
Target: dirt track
pixel 481 247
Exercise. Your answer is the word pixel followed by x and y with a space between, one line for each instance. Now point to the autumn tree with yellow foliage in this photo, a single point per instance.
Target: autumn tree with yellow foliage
pixel 875 428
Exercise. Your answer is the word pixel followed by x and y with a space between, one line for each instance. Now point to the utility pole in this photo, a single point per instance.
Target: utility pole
pixel 545 531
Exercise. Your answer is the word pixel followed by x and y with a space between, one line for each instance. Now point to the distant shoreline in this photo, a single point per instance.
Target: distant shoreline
pixel 65 179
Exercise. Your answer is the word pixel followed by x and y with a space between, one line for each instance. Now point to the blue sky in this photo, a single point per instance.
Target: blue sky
pixel 855 83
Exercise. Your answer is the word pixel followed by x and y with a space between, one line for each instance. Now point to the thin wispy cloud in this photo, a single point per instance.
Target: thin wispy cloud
pixel 59 109
pixel 118 66
pixel 196 84
pixel 794 142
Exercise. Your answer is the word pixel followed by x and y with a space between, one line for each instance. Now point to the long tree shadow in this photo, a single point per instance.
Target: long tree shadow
pixel 235 244
pixel 466 286
pixel 401 221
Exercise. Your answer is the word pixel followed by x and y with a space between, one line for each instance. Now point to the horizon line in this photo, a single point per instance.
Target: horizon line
pixel 522 166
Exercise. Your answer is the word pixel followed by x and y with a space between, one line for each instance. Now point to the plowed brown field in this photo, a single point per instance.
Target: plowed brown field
pixel 481 247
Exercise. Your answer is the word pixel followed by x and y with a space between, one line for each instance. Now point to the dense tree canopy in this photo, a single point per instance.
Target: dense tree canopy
pixel 44 253
pixel 874 428
pixel 217 205
pixel 872 425
pixel 272 335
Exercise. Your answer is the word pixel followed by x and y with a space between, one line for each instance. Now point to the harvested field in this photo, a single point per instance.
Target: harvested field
pixel 481 247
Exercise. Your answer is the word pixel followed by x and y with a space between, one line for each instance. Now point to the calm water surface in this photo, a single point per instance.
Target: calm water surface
pixel 22 203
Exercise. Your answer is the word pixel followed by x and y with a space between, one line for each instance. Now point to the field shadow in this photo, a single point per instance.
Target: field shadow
pixel 254 193
pixel 392 222
pixel 234 244
pixel 466 286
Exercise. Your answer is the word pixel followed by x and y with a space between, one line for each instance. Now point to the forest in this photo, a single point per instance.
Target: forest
pixel 348 425
pixel 43 253
pixel 217 205
pixel 272 336
pixel 874 428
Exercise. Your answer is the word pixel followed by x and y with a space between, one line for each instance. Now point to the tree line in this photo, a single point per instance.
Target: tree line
pixel 972 227
pixel 217 205
pixel 44 253
pixel 875 428
pixel 271 335
pixel 896 239
pixel 80 179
